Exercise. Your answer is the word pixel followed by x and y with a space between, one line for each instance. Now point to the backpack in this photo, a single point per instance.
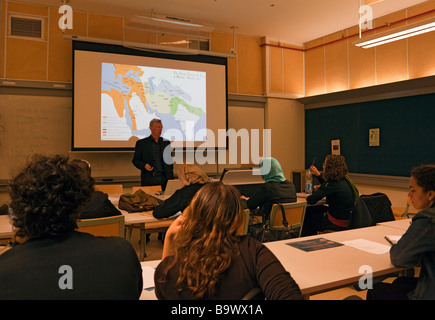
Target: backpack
pixel 138 201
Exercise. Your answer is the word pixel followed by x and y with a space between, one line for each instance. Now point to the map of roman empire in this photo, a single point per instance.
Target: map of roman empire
pixel 131 96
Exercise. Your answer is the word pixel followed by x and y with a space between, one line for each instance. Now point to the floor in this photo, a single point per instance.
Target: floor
pixel 154 252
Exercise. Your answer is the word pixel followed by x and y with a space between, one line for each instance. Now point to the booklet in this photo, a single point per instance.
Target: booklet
pixel 314 244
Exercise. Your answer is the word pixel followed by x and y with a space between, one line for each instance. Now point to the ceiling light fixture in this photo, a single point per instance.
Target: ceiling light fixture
pixel 407 31
pixel 162 20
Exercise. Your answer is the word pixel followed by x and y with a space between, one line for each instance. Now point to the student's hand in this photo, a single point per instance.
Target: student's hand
pixel 244 198
pixel 148 167
pixel 314 171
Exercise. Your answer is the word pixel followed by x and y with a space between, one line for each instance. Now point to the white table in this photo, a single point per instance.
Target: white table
pixel 326 269
pixel 400 224
pixel 6 227
pixel 148 268
pixel 332 268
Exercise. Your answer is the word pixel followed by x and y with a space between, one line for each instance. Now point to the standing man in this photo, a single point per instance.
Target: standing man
pixel 148 157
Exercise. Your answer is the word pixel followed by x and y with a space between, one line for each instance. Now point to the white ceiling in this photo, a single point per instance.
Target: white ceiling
pixel 288 21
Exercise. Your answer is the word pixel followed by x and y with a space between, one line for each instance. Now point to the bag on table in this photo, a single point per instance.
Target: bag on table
pixel 138 201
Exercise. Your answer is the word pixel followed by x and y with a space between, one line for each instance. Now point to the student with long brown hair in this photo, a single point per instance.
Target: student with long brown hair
pixel 205 257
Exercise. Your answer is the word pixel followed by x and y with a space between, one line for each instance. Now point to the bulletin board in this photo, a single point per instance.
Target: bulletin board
pixel 406 134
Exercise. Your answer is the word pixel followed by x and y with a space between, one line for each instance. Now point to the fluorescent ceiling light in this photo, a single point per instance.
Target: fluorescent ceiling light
pixel 177 21
pixel 407 31
pixel 162 20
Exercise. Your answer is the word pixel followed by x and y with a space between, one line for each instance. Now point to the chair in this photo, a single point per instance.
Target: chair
pixel 148 189
pixel 103 227
pixel 370 210
pixel 294 214
pixel 110 188
pixel 244 228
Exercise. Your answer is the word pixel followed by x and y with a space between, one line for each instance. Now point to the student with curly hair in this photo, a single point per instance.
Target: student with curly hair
pixel 204 257
pixel 340 194
pixel 53 261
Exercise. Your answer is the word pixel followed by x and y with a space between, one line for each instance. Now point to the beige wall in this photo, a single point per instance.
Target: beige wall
pixel 261 67
pixel 333 63
pixel 286 120
pixel 51 59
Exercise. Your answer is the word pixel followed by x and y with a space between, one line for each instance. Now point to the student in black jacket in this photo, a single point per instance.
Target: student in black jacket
pixel 192 178
pixel 340 196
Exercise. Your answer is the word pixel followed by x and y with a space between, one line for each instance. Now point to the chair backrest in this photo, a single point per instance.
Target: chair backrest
pixel 172 186
pixel 148 189
pixel 110 188
pixel 103 227
pixel 379 206
pixel 244 228
pixel 360 216
pixel 294 214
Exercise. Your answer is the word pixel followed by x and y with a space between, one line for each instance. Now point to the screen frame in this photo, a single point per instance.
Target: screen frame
pixel 78 45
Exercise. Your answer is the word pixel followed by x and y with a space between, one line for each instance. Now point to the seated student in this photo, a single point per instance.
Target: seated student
pixel 340 195
pixel 205 258
pixel 275 189
pixel 416 247
pixel 99 205
pixel 55 261
pixel 192 179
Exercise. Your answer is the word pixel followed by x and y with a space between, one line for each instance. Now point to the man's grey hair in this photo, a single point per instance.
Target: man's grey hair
pixel 154 121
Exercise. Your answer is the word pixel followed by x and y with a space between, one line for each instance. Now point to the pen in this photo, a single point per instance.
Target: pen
pixel 314 160
pixel 386 238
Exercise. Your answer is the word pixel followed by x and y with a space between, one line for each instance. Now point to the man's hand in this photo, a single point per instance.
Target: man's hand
pixel 148 167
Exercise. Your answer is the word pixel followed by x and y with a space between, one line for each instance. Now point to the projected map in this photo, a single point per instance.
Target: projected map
pixel 133 95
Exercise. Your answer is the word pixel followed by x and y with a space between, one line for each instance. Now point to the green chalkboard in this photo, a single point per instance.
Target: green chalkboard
pixel 407 134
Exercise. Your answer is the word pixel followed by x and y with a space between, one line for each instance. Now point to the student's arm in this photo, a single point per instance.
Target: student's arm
pixel 275 282
pixel 169 207
pixel 257 199
pixel 416 241
pixel 168 247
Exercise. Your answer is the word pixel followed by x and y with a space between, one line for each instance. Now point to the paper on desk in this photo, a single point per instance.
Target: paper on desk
pixel 148 277
pixel 368 246
pixel 393 238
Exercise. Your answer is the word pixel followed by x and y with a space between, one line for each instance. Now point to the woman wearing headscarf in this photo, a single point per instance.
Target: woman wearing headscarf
pixel 276 189
pixel 192 179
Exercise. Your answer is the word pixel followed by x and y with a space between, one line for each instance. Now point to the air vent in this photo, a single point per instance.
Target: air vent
pixel 28 27
pixel 203 45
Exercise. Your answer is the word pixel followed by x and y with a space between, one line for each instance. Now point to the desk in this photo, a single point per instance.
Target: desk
pixel 148 267
pixel 402 224
pixel 322 270
pixel 332 268
pixel 145 221
pixel 6 230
